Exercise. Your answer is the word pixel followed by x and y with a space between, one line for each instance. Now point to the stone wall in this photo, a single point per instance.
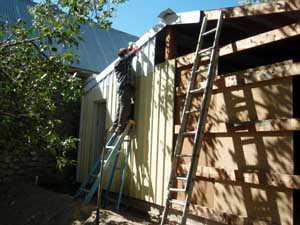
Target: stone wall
pixel 27 166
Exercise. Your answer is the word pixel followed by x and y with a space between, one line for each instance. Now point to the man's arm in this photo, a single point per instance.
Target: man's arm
pixel 133 51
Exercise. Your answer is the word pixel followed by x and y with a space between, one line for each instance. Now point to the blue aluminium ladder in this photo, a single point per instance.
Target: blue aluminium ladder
pixel 112 152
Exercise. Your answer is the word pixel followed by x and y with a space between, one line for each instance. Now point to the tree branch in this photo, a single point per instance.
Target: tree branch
pixel 37 47
pixel 12 114
pixel 14 43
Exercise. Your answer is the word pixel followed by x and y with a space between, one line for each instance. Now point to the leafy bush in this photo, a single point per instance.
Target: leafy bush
pixel 34 77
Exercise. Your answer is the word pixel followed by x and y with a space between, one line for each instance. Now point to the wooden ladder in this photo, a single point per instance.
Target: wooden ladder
pixel 110 154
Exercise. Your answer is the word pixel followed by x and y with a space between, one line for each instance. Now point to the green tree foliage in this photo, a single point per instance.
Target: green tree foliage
pixel 244 2
pixel 34 78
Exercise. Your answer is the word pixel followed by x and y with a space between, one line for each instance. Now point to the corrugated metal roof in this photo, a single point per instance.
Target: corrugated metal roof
pixel 99 48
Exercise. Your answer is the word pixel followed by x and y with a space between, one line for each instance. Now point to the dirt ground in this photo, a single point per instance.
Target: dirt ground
pixel 26 204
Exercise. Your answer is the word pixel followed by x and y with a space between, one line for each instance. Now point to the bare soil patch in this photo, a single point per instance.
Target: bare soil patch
pixel 26 204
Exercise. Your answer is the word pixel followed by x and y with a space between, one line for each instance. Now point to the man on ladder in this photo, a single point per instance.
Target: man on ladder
pixel 126 86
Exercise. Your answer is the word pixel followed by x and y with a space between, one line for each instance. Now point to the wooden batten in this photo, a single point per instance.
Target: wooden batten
pixel 256 9
pixel 237 176
pixel 253 77
pixel 290 124
pixel 226 218
pixel 280 34
pixel 262 39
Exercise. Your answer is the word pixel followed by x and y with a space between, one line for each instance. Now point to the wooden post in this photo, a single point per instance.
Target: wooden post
pixel 171 44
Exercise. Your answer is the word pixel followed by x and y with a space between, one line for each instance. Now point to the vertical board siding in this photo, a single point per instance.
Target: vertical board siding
pixel 152 139
pixel 152 147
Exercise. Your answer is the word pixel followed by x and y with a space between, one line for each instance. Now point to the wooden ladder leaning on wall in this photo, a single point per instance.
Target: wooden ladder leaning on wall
pixel 110 154
pixel 198 134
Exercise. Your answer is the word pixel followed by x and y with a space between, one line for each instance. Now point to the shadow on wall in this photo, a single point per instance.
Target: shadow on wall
pixel 152 146
pixel 247 152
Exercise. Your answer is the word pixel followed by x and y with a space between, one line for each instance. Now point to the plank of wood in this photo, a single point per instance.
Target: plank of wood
pixel 288 31
pixel 252 77
pixel 258 178
pixel 256 9
pixel 171 43
pixel 282 33
pixel 272 125
pixel 195 212
pixel 226 218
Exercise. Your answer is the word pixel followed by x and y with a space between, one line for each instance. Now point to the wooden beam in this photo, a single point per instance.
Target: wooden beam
pixel 282 33
pixel 252 77
pixel 171 44
pixel 274 125
pixel 237 176
pixel 196 212
pixel 226 218
pixel 262 39
pixel 256 9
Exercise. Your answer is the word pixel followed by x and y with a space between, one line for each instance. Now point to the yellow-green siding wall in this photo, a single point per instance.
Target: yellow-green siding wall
pixel 152 140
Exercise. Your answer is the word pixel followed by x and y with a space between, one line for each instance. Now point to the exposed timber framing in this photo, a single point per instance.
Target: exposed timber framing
pixel 171 44
pixel 272 125
pixel 237 176
pixel 262 39
pixel 280 34
pixel 253 77
pixel 226 218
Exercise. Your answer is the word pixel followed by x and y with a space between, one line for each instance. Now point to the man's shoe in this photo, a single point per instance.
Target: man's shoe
pixel 112 129
pixel 131 122
pixel 118 130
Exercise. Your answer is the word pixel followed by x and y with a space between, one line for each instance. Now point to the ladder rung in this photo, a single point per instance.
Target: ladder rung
pixel 85 190
pixel 205 69
pixel 193 111
pixel 197 91
pixel 110 147
pixel 184 155
pixel 188 133
pixel 177 189
pixel 206 50
pixel 177 202
pixel 209 32
pixel 181 178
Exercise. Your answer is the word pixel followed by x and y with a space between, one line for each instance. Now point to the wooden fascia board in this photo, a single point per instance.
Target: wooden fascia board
pixel 256 9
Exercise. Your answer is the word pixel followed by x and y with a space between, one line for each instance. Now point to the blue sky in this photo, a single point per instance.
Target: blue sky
pixel 138 16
